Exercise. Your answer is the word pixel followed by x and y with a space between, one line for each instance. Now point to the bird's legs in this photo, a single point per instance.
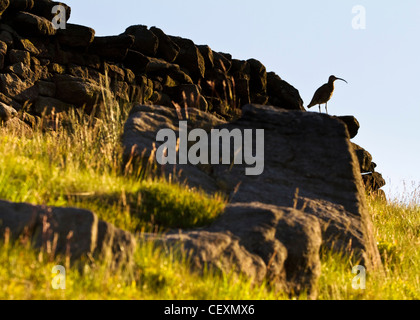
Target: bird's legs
pixel 319 106
pixel 326 107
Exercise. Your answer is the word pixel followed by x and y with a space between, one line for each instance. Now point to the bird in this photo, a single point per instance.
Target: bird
pixel 324 94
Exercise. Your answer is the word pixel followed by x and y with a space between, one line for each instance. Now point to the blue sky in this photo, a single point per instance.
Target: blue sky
pixel 305 42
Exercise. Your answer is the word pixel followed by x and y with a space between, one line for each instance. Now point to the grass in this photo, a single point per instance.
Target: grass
pixel 79 164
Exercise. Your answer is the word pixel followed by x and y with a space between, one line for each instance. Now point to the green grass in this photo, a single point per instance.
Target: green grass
pixel 79 164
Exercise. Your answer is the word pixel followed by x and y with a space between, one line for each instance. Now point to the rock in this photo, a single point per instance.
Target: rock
pixel 26 44
pixel 312 153
pixel 32 25
pixel 22 70
pixel 190 58
pixel 282 94
pixel 352 124
pixel 46 105
pixel 78 232
pixel 77 91
pixel 167 49
pixel 365 159
pixel 6 37
pixel 258 72
pixel 140 134
pixel 114 244
pixel 114 48
pixel 4 4
pixel 146 42
pixel 265 243
pixel 12 86
pixel 19 56
pixel 309 152
pixel 44 9
pixel 373 181
pixel 136 61
pixel 158 67
pixel 208 56
pixel 6 112
pixel 75 36
pixel 114 72
pixel 21 5
pixel 221 62
pixel 188 95
pixel 3 48
pixel 47 88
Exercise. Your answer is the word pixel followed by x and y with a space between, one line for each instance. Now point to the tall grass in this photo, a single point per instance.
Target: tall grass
pixel 75 160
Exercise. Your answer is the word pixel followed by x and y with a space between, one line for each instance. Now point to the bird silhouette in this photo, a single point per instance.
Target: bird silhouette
pixel 324 94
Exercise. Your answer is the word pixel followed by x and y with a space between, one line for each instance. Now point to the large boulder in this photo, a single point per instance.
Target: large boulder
pixel 6 112
pixel 75 232
pixel 75 36
pixel 311 172
pixel 167 50
pixel 32 25
pixel 190 58
pixel 114 48
pixel 145 41
pixel 265 243
pixel 282 94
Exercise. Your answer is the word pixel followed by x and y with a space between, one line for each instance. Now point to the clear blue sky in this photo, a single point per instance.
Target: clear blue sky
pixel 305 42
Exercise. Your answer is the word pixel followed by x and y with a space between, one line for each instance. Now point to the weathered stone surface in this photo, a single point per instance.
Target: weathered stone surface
pixel 140 134
pixel 46 105
pixel 114 48
pixel 365 159
pixel 373 181
pixel 26 44
pixel 32 25
pixel 190 58
pixel 136 61
pixel 44 9
pixel 12 86
pixel 3 5
pixel 258 74
pixel 309 152
pixel 75 35
pixel 6 112
pixel 158 67
pixel 221 62
pixel 352 124
pixel 47 88
pixel 146 42
pixel 21 5
pixel 78 232
pixel 167 49
pixel 282 94
pixel 76 91
pixel 208 56
pixel 19 56
pixel 312 153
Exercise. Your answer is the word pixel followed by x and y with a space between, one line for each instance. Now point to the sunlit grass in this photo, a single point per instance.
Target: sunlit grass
pixel 78 163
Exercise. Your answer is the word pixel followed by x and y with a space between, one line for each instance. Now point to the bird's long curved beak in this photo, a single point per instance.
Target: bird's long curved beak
pixel 342 80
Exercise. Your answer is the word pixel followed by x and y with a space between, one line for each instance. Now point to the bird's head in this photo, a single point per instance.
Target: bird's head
pixel 334 78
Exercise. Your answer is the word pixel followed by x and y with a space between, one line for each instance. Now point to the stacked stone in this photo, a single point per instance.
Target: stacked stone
pixel 373 180
pixel 66 68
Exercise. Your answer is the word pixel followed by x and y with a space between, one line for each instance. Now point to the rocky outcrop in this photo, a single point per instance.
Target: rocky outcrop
pixel 310 168
pixel 151 66
pixel 66 231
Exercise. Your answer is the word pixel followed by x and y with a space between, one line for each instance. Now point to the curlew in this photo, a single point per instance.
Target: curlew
pixel 324 94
